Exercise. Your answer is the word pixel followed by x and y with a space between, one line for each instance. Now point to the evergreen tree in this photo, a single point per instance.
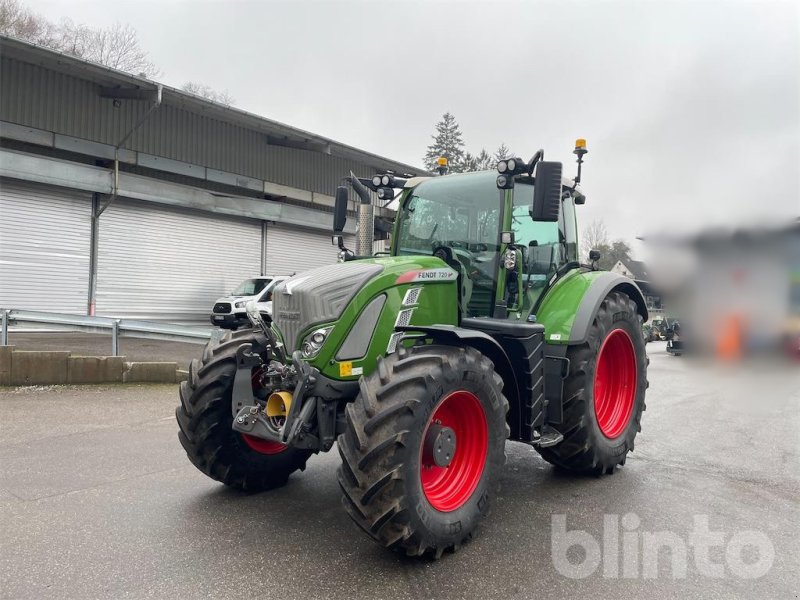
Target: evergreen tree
pixel 502 152
pixel 447 142
pixel 468 163
pixel 485 161
pixel 482 161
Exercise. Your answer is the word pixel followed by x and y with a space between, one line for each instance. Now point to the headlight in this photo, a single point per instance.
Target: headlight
pixel 510 259
pixel 314 341
pixel 502 166
pixel 241 304
pixel 385 180
pixel 512 165
pixel 376 181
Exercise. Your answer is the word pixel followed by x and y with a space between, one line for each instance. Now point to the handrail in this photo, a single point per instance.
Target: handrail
pixel 117 327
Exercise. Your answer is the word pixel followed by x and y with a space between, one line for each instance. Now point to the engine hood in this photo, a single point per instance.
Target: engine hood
pixel 321 295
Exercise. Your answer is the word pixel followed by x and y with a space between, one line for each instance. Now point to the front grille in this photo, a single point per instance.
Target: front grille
pixel 317 296
pixel 222 307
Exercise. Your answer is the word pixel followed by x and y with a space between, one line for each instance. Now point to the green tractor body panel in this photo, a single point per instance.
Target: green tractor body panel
pixel 560 304
pixel 436 303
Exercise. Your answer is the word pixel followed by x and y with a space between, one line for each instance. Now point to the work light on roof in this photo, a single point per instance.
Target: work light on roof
pixel 512 166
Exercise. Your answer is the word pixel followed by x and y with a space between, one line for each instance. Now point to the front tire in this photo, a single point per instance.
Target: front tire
pixel 424 444
pixel 604 392
pixel 205 420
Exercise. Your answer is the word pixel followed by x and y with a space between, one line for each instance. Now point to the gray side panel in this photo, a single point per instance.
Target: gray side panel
pixel 160 263
pixel 357 342
pixel 44 247
pixel 294 250
pixel 317 296
pixel 599 289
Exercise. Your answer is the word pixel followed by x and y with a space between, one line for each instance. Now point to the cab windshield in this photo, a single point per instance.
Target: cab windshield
pixel 457 217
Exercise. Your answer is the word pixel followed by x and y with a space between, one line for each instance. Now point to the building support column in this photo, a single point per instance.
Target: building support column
pixel 93 248
pixel 263 248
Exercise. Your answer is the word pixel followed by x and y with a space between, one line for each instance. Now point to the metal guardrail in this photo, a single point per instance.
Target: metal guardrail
pixel 117 327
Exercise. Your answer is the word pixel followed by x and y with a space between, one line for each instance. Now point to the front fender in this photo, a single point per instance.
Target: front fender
pixel 570 305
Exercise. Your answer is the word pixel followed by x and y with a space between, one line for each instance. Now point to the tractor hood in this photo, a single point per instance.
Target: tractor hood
pixel 335 295
pixel 317 296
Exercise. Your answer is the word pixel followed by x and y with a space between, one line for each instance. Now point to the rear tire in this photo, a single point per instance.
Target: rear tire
pixel 205 419
pixel 603 407
pixel 393 487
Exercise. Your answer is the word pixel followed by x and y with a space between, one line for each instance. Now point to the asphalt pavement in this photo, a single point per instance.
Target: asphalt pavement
pixel 97 500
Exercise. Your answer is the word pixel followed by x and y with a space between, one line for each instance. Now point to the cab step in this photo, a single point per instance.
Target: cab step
pixel 548 436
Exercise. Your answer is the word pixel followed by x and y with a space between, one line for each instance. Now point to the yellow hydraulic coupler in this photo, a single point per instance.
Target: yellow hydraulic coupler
pixel 278 404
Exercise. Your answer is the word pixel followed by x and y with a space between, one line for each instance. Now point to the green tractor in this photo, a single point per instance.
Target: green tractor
pixel 481 326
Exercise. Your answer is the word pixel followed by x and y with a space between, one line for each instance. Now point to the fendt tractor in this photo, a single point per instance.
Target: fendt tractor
pixel 479 327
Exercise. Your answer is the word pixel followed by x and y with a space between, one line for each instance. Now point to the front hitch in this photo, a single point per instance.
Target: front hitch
pixel 296 431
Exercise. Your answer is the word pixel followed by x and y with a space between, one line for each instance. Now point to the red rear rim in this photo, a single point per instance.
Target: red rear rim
pixel 615 383
pixel 448 488
pixel 263 446
pixel 260 445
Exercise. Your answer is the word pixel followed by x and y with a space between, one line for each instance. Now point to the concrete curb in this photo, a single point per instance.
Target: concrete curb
pixel 151 372
pixel 5 364
pixel 24 367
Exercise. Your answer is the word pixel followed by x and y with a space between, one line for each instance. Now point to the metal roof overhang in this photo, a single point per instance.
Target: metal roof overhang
pixel 277 133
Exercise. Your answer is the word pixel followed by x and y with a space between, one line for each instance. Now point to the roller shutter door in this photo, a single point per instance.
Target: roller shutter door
pixel 294 249
pixel 44 247
pixel 167 264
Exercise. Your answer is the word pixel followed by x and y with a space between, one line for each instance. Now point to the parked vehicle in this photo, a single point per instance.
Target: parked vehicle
pixel 674 338
pixel 481 326
pixel 230 312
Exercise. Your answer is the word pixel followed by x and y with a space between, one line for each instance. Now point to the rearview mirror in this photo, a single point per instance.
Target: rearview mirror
pixel 340 209
pixel 546 192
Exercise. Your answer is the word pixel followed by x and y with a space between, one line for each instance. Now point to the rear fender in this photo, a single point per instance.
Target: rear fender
pixel 570 305
pixel 594 296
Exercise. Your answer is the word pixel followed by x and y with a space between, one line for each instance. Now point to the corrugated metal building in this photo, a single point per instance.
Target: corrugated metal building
pixel 132 199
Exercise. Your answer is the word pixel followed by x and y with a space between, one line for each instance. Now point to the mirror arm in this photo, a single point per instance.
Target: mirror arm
pixel 536 158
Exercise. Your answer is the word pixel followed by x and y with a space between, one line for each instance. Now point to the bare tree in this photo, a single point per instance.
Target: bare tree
pixel 594 237
pixel 20 22
pixel 207 92
pixel 116 46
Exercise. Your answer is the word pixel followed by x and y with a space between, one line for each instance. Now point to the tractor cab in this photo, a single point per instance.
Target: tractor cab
pixel 462 219
pixel 508 234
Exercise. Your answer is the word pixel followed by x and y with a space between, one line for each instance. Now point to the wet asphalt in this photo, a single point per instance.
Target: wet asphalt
pixel 97 500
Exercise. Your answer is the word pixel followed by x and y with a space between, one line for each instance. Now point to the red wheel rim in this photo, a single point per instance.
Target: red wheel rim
pixel 263 446
pixel 448 488
pixel 258 444
pixel 615 383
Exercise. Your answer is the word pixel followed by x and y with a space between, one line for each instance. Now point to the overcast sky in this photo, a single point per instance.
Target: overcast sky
pixel 691 109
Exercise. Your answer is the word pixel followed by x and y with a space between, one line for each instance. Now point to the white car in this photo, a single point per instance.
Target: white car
pixel 230 312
